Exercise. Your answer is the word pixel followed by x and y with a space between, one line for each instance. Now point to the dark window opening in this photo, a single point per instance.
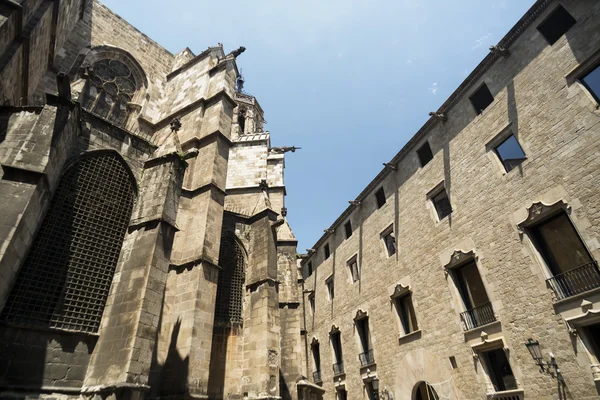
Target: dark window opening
pixel 310 268
pixel 592 82
pixel 336 343
pixel 65 279
pixel 330 289
pixel 380 197
pixel 556 25
pixel 353 265
pixel 316 351
pixel 481 99
pixel 425 154
pixel 426 392
pixel 573 268
pixel 499 370
pixel 453 363
pixel 592 332
pixel 348 229
pixel 372 394
pixel 242 121
pixel 474 296
pixel 327 251
pixel 442 204
pixel 510 153
pixel 406 313
pixel 342 394
pixel 311 302
pixel 230 286
pixel 362 328
pixel 390 243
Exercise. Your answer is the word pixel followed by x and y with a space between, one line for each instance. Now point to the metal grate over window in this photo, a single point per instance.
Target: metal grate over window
pixel 230 289
pixel 66 277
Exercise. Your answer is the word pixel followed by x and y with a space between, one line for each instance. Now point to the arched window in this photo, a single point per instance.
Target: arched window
pixel 110 88
pixel 230 289
pixel 67 274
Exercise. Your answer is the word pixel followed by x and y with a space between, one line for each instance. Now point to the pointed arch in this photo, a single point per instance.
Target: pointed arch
pixel 232 279
pixel 65 279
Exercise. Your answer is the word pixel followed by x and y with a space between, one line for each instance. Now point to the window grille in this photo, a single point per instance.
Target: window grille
pixel 230 288
pixel 66 277
pixel 109 90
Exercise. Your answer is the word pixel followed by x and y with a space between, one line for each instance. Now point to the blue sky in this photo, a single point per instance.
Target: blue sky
pixel 349 81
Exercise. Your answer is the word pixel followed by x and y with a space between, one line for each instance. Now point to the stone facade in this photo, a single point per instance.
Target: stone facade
pixel 539 98
pixel 78 83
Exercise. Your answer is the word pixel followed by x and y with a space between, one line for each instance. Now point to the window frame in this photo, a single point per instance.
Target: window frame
pixel 389 231
pixel 400 295
pixel 348 229
pixel 330 284
pixel 580 79
pixel 476 92
pixel 326 251
pixel 502 161
pixel 430 153
pixel 353 261
pixel 439 189
pixel 492 372
pixel 547 19
pixel 311 302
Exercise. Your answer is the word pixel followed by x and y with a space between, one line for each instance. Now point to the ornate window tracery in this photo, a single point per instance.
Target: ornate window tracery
pixel 110 88
pixel 66 277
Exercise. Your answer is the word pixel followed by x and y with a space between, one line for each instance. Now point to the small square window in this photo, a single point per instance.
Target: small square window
pixel 311 302
pixel 592 82
pixel 309 268
pixel 390 242
pixel 556 25
pixel 354 272
pixel 425 154
pixel 348 229
pixel 510 153
pixel 330 288
pixel 380 196
pixel 326 251
pixel 453 363
pixel 481 99
pixel 442 205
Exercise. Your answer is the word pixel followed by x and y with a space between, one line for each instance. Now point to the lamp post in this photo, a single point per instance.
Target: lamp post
pixel 550 366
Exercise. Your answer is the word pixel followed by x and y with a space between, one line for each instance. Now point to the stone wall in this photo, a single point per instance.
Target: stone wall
pixel 556 122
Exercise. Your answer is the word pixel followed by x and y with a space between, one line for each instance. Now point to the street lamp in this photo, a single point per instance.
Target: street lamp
pixel 551 366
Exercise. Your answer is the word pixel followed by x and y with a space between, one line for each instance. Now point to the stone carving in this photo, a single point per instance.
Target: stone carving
pixel 284 149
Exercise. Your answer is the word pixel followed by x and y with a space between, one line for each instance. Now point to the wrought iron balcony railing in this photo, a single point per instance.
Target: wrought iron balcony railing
pixel 366 358
pixel 581 279
pixel 338 368
pixel 317 376
pixel 478 316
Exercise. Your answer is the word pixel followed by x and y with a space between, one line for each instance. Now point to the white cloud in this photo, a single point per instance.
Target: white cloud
pixel 433 89
pixel 481 41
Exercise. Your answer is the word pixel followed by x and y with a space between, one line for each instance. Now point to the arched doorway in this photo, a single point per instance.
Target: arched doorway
pixel 424 391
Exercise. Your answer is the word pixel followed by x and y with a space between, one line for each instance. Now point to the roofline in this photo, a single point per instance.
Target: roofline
pixel 513 34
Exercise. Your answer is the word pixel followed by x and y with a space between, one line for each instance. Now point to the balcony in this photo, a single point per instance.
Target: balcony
pixel 478 316
pixel 575 281
pixel 317 377
pixel 366 358
pixel 338 369
pixel 516 394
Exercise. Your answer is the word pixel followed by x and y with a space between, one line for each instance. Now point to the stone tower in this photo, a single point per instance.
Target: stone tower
pixel 144 249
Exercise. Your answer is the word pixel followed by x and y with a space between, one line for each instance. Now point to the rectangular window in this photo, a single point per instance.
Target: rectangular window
pixel 499 370
pixel 372 394
pixel 442 205
pixel 348 229
pixel 362 328
pixel 425 154
pixel 592 82
pixel 330 288
pixel 474 296
pixel 556 25
pixel 510 153
pixel 336 343
pixel 354 272
pixel 390 242
pixel 406 313
pixel 326 251
pixel 310 268
pixel 316 351
pixel 481 99
pixel 342 394
pixel 311 302
pixel 380 197
pixel 592 332
pixel 573 268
